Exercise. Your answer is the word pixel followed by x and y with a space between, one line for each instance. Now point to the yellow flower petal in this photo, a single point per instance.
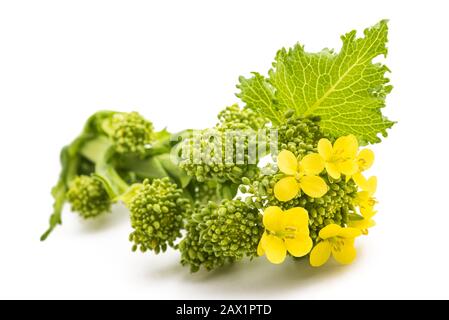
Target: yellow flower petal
pixel 300 246
pixel 362 224
pixel 365 159
pixel 340 145
pixel 352 145
pixel 325 148
pixel 346 146
pixel 368 212
pixel 313 186
pixel 320 254
pixel 349 233
pixel 272 219
pixel 371 185
pixel 348 167
pixel 332 170
pixel 274 249
pixel 312 164
pixel 286 189
pixel 346 253
pixel 287 162
pixel 367 207
pixel 297 218
pixel 329 231
pixel 362 197
pixel 260 250
pixel 359 180
pixel 367 185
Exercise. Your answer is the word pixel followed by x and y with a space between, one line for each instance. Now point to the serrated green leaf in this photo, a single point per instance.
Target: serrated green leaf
pixel 258 94
pixel 346 89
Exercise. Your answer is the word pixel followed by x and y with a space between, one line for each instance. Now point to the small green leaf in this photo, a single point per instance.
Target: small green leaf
pixel 149 168
pixel 174 171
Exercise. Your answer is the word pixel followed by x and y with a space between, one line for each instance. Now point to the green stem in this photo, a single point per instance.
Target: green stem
pixel 104 170
pixel 69 164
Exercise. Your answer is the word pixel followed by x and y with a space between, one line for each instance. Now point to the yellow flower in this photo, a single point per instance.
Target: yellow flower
pixel 341 157
pixel 365 160
pixel 301 176
pixel 365 201
pixel 364 224
pixel 285 231
pixel 337 241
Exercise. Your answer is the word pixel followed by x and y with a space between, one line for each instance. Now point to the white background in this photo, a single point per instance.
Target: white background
pixel 177 62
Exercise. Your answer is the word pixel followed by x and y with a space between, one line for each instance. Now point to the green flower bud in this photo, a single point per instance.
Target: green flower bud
pixel 193 252
pixel 131 133
pixel 234 117
pixel 299 135
pixel 88 197
pixel 157 215
pixel 226 232
pixel 205 153
pixel 289 113
pixel 205 158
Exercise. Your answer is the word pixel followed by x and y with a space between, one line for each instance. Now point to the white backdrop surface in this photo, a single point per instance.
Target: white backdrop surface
pixel 177 62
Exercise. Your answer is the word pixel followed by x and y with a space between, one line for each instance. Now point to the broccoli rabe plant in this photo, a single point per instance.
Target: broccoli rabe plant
pixel 207 193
